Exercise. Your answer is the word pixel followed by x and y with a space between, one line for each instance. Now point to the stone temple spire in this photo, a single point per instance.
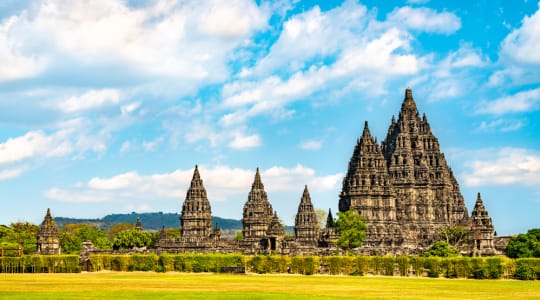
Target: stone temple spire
pixel 138 225
pixel 427 194
pixel 481 230
pixel 329 219
pixel 306 226
pixel 196 219
pixel 48 238
pixel 257 211
pixel 367 189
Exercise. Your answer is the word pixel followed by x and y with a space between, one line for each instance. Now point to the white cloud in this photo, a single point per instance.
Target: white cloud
pixel 519 55
pixel 311 145
pixel 522 44
pixel 14 64
pixel 521 102
pixel 425 19
pixel 222 183
pixel 367 65
pixel 502 125
pixel 33 144
pixel 93 99
pixel 188 40
pixel 513 166
pixel 154 144
pixel 241 141
pixel 11 173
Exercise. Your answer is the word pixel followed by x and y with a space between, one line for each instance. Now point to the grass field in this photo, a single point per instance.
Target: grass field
pixel 139 285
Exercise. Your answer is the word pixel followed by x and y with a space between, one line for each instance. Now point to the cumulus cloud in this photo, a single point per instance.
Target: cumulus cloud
pixel 425 19
pixel 189 40
pixel 92 99
pixel 515 166
pixel 34 144
pixel 222 183
pixel 241 141
pixel 519 55
pixel 524 101
pixel 366 65
pixel 522 44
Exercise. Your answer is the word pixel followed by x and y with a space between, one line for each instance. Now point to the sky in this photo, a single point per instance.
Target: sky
pixel 106 106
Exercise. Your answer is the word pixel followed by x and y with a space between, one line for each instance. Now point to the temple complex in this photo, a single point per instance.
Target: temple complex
pixel 403 187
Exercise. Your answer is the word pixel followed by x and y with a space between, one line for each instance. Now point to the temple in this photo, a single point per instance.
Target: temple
pixel 48 238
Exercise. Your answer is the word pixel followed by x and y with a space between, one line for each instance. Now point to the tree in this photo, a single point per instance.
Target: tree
pixel 131 238
pixel 115 229
pixel 441 249
pixel 20 233
pixel 72 236
pixel 454 236
pixel 239 236
pixel 524 245
pixel 321 217
pixel 351 228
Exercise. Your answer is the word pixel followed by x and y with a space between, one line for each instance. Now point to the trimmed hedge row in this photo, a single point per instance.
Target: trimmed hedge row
pixel 40 264
pixel 453 267
pixel 166 262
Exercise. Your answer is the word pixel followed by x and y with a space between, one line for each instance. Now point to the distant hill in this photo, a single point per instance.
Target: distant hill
pixel 149 221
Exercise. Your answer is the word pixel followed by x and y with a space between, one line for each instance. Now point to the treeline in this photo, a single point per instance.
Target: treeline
pixel 150 221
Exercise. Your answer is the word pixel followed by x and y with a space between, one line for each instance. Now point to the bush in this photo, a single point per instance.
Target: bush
pixel 527 269
pixel 40 264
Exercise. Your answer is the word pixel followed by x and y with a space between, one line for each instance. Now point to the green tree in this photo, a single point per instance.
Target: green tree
pixel 239 236
pixel 72 236
pixel 115 229
pixel 321 216
pixel 441 249
pixel 454 236
pixel 351 228
pixel 524 245
pixel 19 233
pixel 132 238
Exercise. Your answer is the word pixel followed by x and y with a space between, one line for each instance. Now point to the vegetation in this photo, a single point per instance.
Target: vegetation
pixel 72 236
pixel 454 236
pixel 525 245
pixel 131 238
pixel 441 249
pixel 351 228
pixel 16 234
pixel 136 285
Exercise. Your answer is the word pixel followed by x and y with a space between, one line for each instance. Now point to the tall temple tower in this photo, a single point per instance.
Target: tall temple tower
pixel 367 189
pixel 427 193
pixel 48 238
pixel 306 226
pixel 404 188
pixel 196 218
pixel 481 230
pixel 258 212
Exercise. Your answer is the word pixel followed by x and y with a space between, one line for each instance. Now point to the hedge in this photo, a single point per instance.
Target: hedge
pixel 452 267
pixel 40 264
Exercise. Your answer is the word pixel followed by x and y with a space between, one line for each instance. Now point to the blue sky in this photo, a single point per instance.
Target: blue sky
pixel 106 106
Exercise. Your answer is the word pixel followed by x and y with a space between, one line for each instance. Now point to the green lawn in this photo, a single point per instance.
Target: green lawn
pixel 139 285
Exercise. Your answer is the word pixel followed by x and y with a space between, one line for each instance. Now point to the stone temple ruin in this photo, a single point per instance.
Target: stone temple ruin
pixel 403 187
